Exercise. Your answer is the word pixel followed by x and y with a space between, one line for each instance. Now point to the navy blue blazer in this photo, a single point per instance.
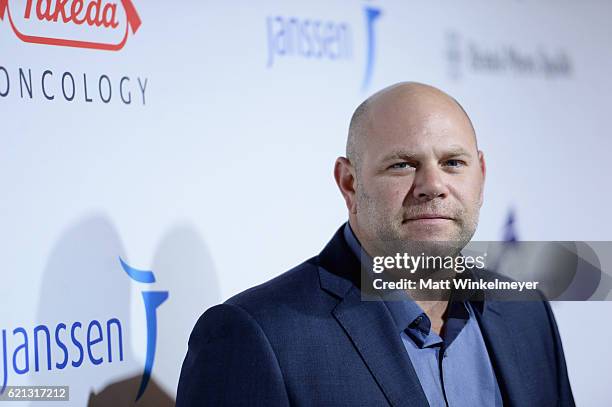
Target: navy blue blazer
pixel 305 338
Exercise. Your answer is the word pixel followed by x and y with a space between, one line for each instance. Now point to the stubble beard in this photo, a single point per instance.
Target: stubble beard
pixel 388 236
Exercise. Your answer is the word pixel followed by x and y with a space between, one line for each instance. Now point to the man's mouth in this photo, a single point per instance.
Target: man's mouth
pixel 428 218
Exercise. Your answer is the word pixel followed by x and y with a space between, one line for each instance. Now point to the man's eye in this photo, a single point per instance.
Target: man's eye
pixel 400 166
pixel 454 163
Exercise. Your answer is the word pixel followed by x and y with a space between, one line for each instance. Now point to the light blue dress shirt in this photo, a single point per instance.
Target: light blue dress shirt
pixel 454 370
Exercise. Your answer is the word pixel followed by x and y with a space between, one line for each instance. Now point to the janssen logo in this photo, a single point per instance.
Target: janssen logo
pixel 77 344
pixel 152 300
pixel 320 39
pixel 93 24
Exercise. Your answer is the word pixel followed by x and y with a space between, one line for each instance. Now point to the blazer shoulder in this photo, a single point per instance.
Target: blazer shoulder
pixel 297 286
pixel 230 361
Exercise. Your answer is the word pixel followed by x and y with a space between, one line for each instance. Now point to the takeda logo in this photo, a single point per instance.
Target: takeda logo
pixel 93 24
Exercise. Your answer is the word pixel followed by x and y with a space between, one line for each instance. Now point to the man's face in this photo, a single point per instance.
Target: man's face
pixel 421 177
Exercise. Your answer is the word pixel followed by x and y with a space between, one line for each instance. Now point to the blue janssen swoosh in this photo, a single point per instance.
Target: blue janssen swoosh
pixel 142 276
pixel 371 14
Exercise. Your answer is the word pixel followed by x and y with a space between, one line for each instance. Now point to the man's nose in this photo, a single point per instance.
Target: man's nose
pixel 429 183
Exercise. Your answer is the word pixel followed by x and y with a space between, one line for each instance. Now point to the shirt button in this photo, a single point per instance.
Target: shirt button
pixel 416 322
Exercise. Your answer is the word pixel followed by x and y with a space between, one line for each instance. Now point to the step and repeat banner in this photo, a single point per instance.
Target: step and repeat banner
pixel 159 157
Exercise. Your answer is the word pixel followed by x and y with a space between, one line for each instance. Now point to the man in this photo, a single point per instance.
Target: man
pixel 413 172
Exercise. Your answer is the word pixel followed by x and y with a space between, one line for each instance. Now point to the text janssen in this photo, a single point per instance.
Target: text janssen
pixel 307 38
pixel 59 347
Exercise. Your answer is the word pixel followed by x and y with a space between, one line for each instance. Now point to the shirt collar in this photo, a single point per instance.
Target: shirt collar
pixel 406 312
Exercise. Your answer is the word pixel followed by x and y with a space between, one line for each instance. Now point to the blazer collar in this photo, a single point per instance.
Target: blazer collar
pixel 338 267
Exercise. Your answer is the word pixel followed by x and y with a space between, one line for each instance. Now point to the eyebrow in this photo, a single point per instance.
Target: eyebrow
pixel 456 150
pixel 401 154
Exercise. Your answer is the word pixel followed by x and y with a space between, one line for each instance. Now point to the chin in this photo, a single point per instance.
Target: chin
pixel 429 234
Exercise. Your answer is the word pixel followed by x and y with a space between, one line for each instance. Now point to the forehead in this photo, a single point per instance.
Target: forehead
pixel 416 123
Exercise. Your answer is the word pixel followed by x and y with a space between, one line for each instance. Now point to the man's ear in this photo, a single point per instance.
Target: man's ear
pixel 344 173
pixel 483 170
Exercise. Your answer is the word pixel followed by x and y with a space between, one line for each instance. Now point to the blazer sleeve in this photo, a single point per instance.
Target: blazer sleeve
pixel 230 362
pixel 566 398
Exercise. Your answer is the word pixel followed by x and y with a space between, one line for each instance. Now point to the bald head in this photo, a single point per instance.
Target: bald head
pixel 402 99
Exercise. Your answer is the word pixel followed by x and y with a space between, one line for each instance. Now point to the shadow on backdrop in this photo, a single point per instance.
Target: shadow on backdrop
pixel 182 266
pixel 82 282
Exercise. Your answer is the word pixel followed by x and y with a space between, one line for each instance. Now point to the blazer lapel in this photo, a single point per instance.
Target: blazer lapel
pixel 504 356
pixel 374 334
pixel 369 326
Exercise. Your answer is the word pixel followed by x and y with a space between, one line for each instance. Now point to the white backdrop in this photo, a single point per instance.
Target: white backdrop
pixel 218 173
